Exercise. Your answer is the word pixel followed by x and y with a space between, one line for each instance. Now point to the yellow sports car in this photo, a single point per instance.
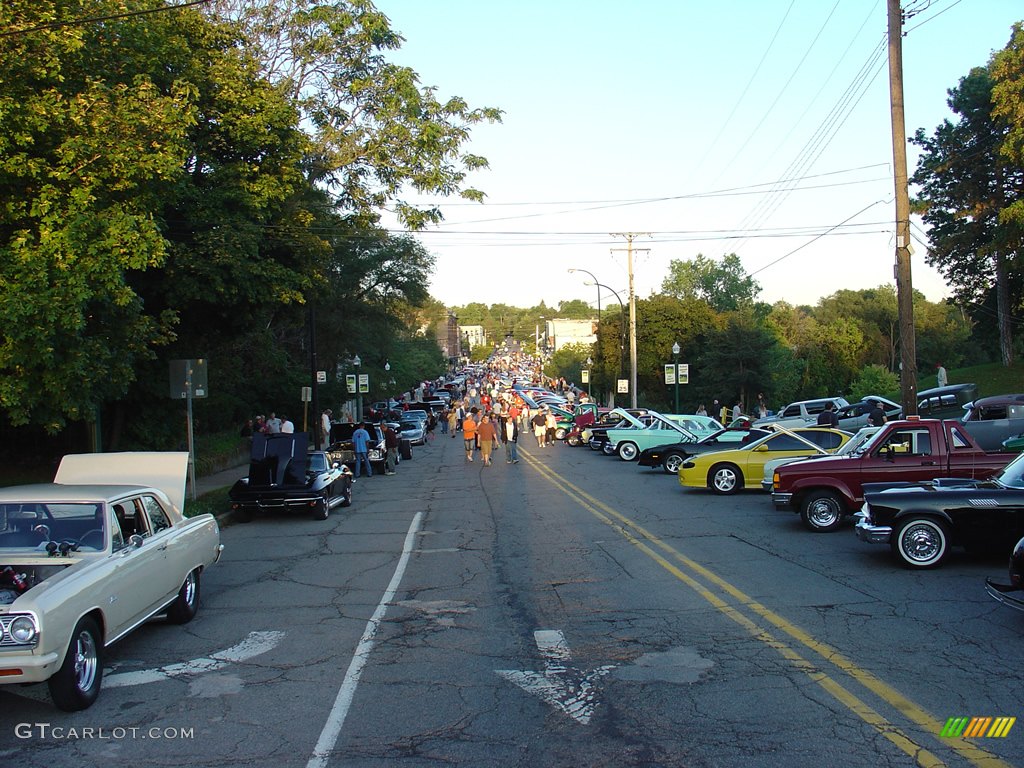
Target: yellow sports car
pixel 728 471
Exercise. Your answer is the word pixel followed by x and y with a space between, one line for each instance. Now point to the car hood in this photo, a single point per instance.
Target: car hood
pixel 165 471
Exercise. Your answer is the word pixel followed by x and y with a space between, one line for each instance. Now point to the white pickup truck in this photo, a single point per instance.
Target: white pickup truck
pixel 802 413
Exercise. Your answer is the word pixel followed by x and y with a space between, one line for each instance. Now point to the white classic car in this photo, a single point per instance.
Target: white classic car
pixel 88 558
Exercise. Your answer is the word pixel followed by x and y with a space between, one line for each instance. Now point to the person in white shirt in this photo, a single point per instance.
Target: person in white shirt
pixel 287 427
pixel 325 429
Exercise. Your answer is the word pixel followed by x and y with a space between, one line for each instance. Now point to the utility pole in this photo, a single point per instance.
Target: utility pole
pixel 632 307
pixel 904 289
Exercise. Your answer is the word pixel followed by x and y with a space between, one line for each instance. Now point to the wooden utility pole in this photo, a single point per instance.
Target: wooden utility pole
pixel 632 308
pixel 904 288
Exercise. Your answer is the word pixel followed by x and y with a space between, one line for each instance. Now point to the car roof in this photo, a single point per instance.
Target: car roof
pixel 998 399
pixel 60 493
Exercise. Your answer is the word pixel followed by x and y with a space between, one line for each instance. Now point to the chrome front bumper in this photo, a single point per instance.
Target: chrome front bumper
pixel 1005 594
pixel 872 534
pixel 782 501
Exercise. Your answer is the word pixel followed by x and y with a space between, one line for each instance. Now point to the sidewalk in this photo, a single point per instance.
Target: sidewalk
pixel 224 479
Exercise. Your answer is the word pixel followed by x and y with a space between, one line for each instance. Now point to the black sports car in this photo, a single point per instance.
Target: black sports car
pixel 670 456
pixel 285 475
pixel 1011 594
pixel 921 521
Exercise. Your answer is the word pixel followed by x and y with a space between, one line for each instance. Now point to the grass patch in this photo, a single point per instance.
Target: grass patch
pixel 213 503
pixel 991 378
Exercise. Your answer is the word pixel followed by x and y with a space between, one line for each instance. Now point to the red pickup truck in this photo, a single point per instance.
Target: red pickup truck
pixel 825 490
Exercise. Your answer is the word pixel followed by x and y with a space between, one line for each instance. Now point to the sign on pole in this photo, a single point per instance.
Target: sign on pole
pixel 622 386
pixel 670 374
pixel 307 394
pixel 585 376
pixel 321 377
pixel 350 383
pixel 364 383
pixel 684 373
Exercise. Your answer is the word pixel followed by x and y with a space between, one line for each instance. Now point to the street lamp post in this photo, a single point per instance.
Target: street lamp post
pixel 675 362
pixel 622 321
pixel 594 278
pixel 589 377
pixel 359 394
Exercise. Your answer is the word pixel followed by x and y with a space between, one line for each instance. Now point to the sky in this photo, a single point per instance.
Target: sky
pixel 755 127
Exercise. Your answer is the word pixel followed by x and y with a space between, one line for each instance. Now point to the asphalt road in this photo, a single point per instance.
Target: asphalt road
pixel 569 610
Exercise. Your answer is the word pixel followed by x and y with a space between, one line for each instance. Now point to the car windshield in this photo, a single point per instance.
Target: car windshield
pixel 410 424
pixel 1012 475
pixel 33 526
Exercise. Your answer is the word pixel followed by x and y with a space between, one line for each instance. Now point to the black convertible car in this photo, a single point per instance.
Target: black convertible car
pixel 670 456
pixel 285 475
pixel 921 521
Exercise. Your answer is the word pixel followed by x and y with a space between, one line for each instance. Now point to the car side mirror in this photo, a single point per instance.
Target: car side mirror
pixel 135 541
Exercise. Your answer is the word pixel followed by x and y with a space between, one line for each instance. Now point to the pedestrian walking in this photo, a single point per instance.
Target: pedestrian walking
pixel 511 435
pixel 391 446
pixel 487 434
pixel 539 427
pixel 550 427
pixel 941 378
pixel 469 435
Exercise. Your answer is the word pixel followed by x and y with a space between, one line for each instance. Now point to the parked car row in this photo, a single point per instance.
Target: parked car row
pixel 921 486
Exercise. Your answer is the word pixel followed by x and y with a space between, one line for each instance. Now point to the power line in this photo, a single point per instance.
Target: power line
pixel 93 19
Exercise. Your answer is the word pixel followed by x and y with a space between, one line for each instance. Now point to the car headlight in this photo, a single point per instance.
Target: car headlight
pixel 23 630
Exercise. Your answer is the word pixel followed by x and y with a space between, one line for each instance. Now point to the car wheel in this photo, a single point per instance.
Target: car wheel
pixel 405 452
pixel 725 479
pixel 322 508
pixel 559 434
pixel 822 511
pixel 573 440
pixel 76 684
pixel 921 542
pixel 185 605
pixel 347 501
pixel 628 451
pixel 672 463
pixel 608 449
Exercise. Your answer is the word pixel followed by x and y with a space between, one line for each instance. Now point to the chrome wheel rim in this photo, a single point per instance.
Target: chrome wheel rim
pixel 673 463
pixel 190 589
pixel 86 661
pixel 725 480
pixel 822 513
pixel 921 542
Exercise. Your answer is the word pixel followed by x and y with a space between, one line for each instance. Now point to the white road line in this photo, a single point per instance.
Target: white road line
pixel 254 644
pixel 336 719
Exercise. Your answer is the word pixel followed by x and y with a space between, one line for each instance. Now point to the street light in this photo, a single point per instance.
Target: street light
pixel 594 278
pixel 589 377
pixel 622 321
pixel 359 394
pixel 675 361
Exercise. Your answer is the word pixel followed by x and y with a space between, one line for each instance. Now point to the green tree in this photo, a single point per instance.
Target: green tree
pixel 966 186
pixel 90 143
pixel 875 380
pixel 724 285
pixel 376 131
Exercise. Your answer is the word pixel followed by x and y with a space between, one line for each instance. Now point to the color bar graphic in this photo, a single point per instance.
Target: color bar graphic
pixel 977 727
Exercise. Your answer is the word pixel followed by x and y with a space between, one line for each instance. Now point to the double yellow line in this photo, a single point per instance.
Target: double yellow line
pixel 686 570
